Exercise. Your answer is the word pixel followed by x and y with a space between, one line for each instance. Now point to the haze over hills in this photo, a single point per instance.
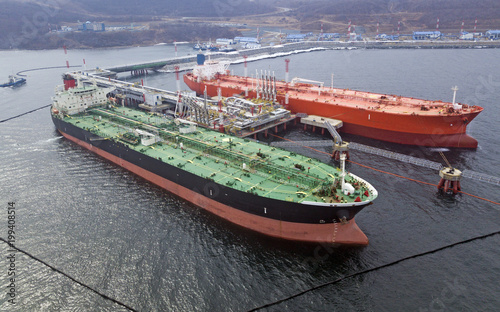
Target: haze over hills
pixel 413 14
pixel 25 24
pixel 217 8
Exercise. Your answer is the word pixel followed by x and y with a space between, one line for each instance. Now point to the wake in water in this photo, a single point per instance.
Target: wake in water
pixel 53 139
pixel 44 142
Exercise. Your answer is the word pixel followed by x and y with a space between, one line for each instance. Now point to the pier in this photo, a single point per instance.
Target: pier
pixel 319 122
pixel 236 116
pixel 188 62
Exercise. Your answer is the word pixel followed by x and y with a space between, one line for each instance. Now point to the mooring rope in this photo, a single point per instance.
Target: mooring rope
pixel 389 173
pixel 28 112
pixel 68 276
pixel 370 270
pixel 41 68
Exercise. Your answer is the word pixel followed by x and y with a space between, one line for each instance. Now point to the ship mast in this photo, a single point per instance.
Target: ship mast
pixel 347 188
pixel 342 166
pixel 455 105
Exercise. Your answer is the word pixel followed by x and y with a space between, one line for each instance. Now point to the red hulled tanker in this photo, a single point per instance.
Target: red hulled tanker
pixel 383 117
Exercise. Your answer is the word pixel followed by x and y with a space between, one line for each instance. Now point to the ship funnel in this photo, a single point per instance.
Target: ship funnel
pixel 69 81
pixel 200 58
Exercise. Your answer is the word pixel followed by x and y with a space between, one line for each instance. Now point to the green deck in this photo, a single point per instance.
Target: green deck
pixel 270 172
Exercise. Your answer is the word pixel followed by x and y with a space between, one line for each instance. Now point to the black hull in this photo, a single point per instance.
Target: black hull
pixel 246 202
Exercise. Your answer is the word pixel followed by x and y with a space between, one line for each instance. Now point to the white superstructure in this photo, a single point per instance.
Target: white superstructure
pixel 76 100
pixel 210 69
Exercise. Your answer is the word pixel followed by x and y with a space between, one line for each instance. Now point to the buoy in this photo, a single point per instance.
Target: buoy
pixel 450 180
pixel 339 148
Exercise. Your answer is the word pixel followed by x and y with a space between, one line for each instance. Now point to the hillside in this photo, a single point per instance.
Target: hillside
pixel 26 24
pixel 413 14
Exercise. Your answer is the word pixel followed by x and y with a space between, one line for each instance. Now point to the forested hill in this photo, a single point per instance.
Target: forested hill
pixel 410 14
pixel 195 8
pixel 26 24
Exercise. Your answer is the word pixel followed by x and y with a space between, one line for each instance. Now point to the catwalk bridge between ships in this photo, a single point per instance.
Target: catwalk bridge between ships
pixel 391 155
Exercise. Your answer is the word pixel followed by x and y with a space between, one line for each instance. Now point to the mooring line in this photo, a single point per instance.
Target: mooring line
pixel 68 276
pixel 370 270
pixel 389 173
pixel 41 68
pixel 28 112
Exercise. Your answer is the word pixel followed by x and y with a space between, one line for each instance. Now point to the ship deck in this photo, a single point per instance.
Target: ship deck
pixel 235 162
pixel 351 98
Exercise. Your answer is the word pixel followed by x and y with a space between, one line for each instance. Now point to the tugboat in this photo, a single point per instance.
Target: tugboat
pixel 199 46
pixel 14 81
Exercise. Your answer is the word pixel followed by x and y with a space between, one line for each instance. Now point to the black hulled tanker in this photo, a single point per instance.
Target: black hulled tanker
pixel 262 188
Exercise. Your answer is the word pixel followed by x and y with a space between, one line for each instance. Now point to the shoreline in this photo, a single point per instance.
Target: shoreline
pixel 428 44
pixel 334 45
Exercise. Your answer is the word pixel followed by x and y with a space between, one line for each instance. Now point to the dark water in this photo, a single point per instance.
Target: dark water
pixel 136 243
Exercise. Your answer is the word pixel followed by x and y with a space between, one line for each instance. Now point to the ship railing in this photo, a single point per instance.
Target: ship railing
pixel 481 177
pixel 126 121
pixel 287 174
pixel 336 136
pixel 396 156
pixel 206 148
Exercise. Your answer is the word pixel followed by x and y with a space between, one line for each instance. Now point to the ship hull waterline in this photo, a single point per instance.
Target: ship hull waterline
pixel 431 131
pixel 346 233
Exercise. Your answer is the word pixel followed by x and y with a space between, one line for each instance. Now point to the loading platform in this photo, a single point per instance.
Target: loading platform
pixel 320 122
pixel 236 116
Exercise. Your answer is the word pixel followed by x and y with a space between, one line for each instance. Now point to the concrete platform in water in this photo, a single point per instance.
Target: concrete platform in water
pixel 233 115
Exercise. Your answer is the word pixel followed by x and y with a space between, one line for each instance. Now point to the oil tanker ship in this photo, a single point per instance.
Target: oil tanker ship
pixel 383 117
pixel 259 187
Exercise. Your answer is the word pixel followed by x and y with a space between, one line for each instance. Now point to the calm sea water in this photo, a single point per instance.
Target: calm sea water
pixel 138 244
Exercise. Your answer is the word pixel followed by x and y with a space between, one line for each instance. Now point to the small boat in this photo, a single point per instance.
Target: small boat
pixel 14 81
pixel 199 46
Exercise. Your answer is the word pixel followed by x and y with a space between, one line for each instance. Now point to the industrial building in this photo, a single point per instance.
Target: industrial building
pixel 426 35
pixel 295 37
pixel 246 40
pixel 493 34
pixel 386 37
pixel 92 26
pixel 225 41
pixel 329 36
pixel 466 36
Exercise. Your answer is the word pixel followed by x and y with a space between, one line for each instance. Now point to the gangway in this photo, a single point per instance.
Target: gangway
pixel 337 139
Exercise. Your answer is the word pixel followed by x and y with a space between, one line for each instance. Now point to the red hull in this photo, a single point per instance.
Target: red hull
pixel 348 233
pixel 361 115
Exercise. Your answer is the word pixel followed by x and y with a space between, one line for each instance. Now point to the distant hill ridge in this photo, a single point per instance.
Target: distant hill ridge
pixel 23 23
pixel 413 14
